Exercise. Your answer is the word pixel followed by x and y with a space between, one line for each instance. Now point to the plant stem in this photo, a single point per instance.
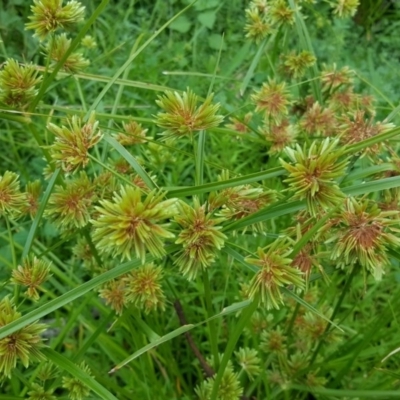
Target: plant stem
pixel 335 311
pixel 211 324
pixel 239 327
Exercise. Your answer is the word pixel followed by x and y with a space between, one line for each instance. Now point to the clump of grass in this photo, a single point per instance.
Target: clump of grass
pixel 246 260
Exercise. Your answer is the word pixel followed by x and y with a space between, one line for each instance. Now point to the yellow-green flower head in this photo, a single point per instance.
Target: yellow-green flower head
pixel 50 15
pixel 23 345
pixel 182 116
pixel 274 272
pixel 132 224
pixel 76 388
pixel 363 234
pixel 18 83
pixel 32 273
pixel 56 50
pixel 72 143
pixel 312 174
pixel 12 201
pixel 200 237
pixel 143 288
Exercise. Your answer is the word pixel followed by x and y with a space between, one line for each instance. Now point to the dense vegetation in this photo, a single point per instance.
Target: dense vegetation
pixel 199 200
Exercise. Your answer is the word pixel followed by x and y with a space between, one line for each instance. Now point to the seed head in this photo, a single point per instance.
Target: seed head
pixel 32 273
pixel 58 46
pixel 76 388
pixel 114 293
pixel 257 26
pixel 72 143
pixel 363 235
pixel 274 272
pixel 133 134
pixel 296 65
pixel 272 100
pixel 182 117
pixel 129 223
pixel 23 345
pixel 312 174
pixel 18 84
pixel 332 78
pixel 346 8
pixel 249 361
pixel 70 206
pixel 33 191
pixel 12 201
pixel 280 13
pixel 200 237
pixel 143 288
pixel 279 135
pixel 319 121
pixel 38 392
pixel 50 15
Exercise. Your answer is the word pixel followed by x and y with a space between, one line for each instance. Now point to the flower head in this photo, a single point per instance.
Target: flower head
pixel 49 15
pixel 200 237
pixel 72 143
pixel 129 223
pixel 32 273
pixel 76 388
pixel 23 345
pixel 281 13
pixel 12 201
pixel 249 361
pixel 182 116
pixel 318 120
pixel 332 78
pixel 18 83
pixel 272 99
pixel 38 392
pixel 143 288
pixel 133 134
pixel 70 206
pixel 312 174
pixel 257 25
pixel 56 49
pixel 114 293
pixel 295 65
pixel 275 271
pixel 33 191
pixel 346 8
pixel 279 135
pixel 363 235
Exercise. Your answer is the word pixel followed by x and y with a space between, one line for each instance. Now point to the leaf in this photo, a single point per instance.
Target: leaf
pixel 215 41
pixel 181 24
pixel 67 365
pixel 207 19
pixel 153 344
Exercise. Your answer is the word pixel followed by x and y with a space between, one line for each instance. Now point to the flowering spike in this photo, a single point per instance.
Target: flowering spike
pixel 200 238
pixel 312 174
pixel 23 345
pixel 132 224
pixel 274 271
pixel 77 389
pixel 32 274
pixel 18 83
pixel 363 234
pixel 12 201
pixel 49 15
pixel 143 288
pixel 182 117
pixel 72 143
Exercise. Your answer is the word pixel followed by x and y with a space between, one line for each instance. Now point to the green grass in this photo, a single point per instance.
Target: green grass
pixel 328 341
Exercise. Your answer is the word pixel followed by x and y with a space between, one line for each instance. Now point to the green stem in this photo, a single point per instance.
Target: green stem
pixel 239 327
pixel 212 323
pixel 335 311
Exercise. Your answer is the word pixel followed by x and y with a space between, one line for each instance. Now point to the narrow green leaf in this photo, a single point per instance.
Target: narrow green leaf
pixel 242 180
pixel 309 307
pixel 132 161
pixel 67 365
pixel 253 65
pixel 151 345
pixel 373 186
pixel 38 216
